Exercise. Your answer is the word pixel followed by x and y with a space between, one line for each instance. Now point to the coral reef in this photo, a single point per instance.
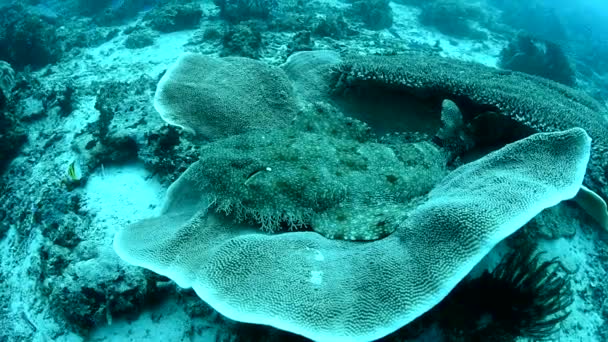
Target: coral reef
pixel 331 25
pixel 12 135
pixel 7 82
pixel 235 11
pixel 537 57
pixel 139 38
pixel 536 103
pixel 88 293
pixel 375 14
pixel 322 149
pixel 379 285
pixel 221 97
pixel 108 12
pixel 86 7
pixel 452 17
pixel 175 17
pixel 27 39
pixel 117 135
pixel 242 40
pixel 301 41
pixel 160 151
pixel 84 33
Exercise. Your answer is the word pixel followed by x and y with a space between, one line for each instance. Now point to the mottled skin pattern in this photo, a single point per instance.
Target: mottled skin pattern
pixel 333 181
pixel 537 103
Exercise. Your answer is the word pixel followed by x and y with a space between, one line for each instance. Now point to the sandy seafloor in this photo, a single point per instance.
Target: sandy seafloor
pixel 116 195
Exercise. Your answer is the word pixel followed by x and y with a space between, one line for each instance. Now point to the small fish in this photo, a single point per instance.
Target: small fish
pixel 74 171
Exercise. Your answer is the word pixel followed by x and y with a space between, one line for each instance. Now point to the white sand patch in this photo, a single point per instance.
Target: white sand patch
pixel 111 61
pixel 119 195
pixel 409 29
pixel 578 255
pixel 124 63
pixel 166 322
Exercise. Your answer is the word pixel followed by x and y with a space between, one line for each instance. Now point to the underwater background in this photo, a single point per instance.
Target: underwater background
pixel 329 170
